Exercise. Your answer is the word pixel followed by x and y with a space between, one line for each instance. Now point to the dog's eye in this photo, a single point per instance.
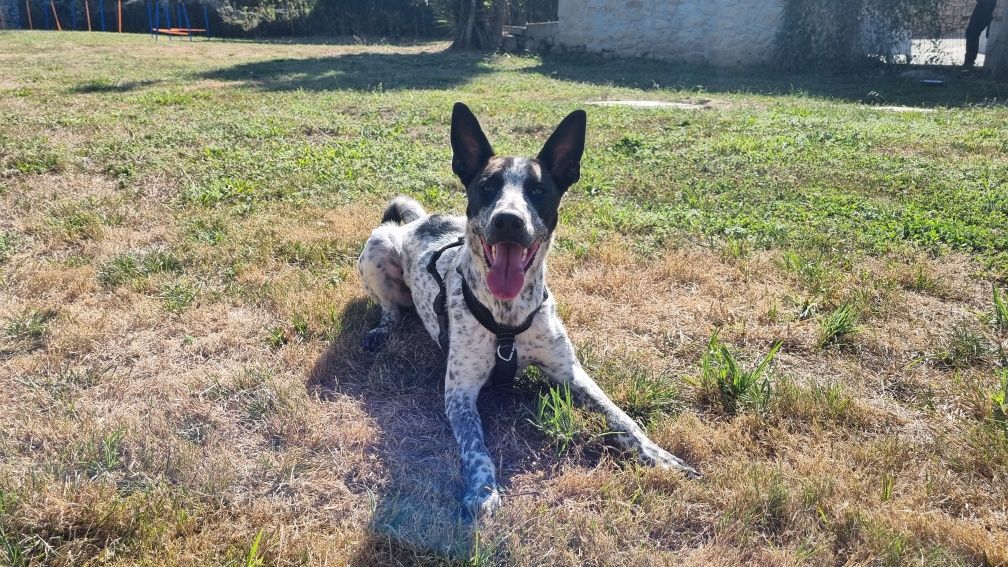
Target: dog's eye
pixel 536 190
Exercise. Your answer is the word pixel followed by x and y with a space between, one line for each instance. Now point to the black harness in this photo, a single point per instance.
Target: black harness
pixel 506 359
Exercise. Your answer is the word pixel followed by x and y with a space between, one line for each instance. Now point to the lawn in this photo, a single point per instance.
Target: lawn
pixel 180 311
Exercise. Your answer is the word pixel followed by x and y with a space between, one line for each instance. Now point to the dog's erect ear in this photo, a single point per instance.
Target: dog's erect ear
pixel 470 149
pixel 562 153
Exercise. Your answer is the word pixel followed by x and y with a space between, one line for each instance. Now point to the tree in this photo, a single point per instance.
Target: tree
pixel 476 24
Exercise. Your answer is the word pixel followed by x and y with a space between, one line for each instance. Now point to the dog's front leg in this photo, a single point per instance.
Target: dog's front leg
pixel 559 361
pixel 479 486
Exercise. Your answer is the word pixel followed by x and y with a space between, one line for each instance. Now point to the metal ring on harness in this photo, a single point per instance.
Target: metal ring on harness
pixel 510 354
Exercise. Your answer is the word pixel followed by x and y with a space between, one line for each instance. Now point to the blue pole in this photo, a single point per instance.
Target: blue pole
pixel 48 19
pixel 167 13
pixel 150 21
pixel 101 10
pixel 185 12
pixel 206 22
pixel 167 17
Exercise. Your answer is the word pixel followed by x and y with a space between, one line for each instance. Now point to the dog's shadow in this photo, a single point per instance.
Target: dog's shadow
pixel 416 512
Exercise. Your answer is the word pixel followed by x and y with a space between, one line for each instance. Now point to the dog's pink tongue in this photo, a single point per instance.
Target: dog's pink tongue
pixel 506 274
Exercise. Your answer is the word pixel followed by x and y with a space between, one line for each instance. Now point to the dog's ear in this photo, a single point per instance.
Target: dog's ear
pixel 470 149
pixel 561 155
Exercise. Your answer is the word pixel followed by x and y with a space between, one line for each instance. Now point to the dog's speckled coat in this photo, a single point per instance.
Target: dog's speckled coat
pixel 510 200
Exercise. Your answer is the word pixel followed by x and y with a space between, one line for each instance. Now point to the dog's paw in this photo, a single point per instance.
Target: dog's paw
pixel 480 503
pixel 374 339
pixel 655 456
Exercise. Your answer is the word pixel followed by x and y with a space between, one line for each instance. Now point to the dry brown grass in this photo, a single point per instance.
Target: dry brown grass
pixel 169 438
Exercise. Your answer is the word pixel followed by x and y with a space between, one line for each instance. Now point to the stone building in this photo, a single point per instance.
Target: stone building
pixel 715 32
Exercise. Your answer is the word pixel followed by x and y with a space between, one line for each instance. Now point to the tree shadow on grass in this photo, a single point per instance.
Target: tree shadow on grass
pixel 886 86
pixel 90 87
pixel 359 71
pixel 417 517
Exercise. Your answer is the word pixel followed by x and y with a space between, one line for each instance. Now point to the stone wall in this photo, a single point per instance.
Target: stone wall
pixel 955 14
pixel 716 32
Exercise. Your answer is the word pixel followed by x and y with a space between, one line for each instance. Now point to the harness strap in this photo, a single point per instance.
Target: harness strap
pixel 506 354
pixel 440 308
pixel 506 360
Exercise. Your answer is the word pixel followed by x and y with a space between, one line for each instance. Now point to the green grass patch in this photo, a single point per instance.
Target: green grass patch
pixel 177 296
pixel 556 418
pixel 1000 309
pixel 724 379
pixel 172 98
pixel 999 401
pixel 8 244
pixel 37 160
pixel 132 266
pixel 29 326
pixel 207 231
pixel 276 337
pixel 838 326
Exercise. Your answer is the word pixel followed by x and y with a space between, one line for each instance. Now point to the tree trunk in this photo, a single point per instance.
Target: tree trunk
pixel 996 60
pixel 496 32
pixel 467 23
pixel 475 30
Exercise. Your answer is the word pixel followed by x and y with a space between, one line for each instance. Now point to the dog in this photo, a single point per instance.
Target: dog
pixel 478 284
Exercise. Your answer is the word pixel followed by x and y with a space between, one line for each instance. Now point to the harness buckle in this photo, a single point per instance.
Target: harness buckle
pixel 510 351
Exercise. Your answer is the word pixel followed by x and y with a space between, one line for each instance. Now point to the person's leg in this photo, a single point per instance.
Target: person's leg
pixel 981 17
pixel 972 46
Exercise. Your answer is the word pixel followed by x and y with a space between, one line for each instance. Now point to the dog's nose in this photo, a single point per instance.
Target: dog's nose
pixel 506 221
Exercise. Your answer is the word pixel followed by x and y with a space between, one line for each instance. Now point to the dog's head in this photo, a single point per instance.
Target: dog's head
pixel 513 202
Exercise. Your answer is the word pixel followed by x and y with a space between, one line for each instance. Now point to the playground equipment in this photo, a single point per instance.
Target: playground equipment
pixel 164 17
pixel 154 15
pixel 51 14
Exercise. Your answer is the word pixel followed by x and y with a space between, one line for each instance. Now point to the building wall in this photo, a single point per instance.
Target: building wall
pixel 716 32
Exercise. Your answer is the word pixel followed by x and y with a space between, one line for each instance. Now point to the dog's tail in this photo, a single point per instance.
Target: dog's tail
pixel 403 210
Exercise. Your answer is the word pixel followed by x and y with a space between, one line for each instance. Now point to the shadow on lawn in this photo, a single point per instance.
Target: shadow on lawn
pixel 90 87
pixel 358 71
pixel 417 516
pixel 882 86
pixel 448 69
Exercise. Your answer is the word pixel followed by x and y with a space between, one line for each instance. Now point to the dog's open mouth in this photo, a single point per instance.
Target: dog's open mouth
pixel 508 263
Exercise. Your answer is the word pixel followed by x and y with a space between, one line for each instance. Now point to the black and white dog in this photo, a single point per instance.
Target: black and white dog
pixel 478 284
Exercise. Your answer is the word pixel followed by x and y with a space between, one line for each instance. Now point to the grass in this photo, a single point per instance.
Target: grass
pixel 30 326
pixel 192 211
pixel 178 296
pixel 8 242
pixel 1000 309
pixel 838 325
pixel 647 394
pixel 132 266
pixel 999 401
pixel 737 388
pixel 559 421
pixel 964 346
